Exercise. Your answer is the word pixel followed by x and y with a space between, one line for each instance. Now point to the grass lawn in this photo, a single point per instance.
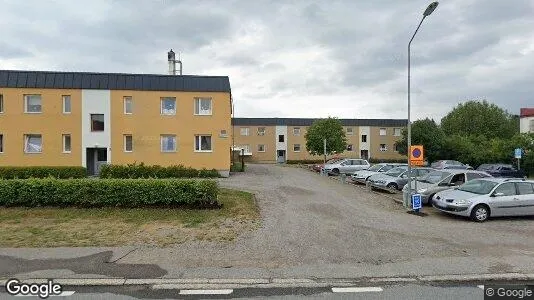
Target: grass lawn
pixel 60 227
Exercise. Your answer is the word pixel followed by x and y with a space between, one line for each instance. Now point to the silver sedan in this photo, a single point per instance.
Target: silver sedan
pixel 481 198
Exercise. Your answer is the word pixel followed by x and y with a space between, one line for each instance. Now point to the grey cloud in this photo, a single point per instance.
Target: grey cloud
pixel 8 51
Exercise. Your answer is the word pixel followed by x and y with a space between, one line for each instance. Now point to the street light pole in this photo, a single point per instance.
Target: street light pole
pixel 431 7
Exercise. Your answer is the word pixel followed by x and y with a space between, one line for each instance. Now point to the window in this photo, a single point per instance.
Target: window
pixel 296 131
pixel 32 104
pixel 128 143
pixel 203 106
pixel 66 104
pixel 471 176
pixel 281 138
pixel 33 143
pixel 97 122
pixel 364 138
pixel 383 147
pixel 524 188
pixel 349 147
pixel 246 148
pixel 261 148
pixel 261 130
pixel 396 147
pixel 223 133
pixel 128 109
pixel 66 143
pixel 1 103
pixel 382 131
pixel 507 189
pixel 168 143
pixel 244 131
pixel 396 131
pixel 168 106
pixel 350 131
pixel 203 143
pixel 1 143
pixel 296 147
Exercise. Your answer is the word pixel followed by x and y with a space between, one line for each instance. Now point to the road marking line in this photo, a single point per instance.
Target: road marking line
pixel 357 289
pixel 206 292
pixel 480 286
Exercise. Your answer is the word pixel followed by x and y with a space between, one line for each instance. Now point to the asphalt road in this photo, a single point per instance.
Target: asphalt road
pixel 394 292
pixel 312 227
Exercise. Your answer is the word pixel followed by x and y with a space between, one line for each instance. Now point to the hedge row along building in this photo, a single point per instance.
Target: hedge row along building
pixel 282 139
pixel 90 119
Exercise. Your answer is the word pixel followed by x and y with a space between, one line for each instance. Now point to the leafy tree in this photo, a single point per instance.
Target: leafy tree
pixel 427 133
pixel 480 118
pixel 330 129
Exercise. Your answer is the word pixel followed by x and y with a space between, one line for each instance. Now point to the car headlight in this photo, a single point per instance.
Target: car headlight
pixel 420 191
pixel 462 202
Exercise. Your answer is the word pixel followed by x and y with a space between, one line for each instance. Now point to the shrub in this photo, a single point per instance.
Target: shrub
pixel 236 167
pixel 155 171
pixel 109 193
pixel 62 172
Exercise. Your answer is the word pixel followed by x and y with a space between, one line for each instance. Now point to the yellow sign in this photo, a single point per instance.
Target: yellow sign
pixel 416 155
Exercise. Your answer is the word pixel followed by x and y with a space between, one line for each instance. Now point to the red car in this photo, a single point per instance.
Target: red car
pixel 318 167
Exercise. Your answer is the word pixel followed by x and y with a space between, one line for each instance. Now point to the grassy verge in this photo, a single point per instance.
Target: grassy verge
pixel 61 227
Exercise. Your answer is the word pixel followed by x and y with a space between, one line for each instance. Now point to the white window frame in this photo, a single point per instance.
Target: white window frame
pixel 261 132
pixel 64 99
pixel 246 130
pixel 197 107
pixel 296 145
pixel 395 130
pixel 385 131
pixel 124 137
pixel 296 130
pixel 1 103
pixel 259 148
pixel 64 139
pixel 127 99
pixel 26 139
pixel 351 132
pixel 246 148
pixel 162 100
pixel 198 138
pixel 26 98
pixel 1 143
pixel 162 137
pixel 385 148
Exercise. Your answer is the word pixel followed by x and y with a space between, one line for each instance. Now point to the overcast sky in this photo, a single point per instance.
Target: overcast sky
pixel 346 59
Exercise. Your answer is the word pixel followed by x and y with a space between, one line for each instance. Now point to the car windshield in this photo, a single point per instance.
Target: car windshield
pixel 434 177
pixel 478 186
pixel 375 168
pixel 395 172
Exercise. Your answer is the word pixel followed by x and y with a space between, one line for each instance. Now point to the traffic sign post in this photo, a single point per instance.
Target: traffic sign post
pixel 416 155
pixel 416 202
pixel 517 153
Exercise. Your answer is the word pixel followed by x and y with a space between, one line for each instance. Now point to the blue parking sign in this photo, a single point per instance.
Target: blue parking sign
pixel 416 201
pixel 518 152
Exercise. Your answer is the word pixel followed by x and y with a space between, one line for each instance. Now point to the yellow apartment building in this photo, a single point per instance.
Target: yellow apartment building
pixel 91 119
pixel 281 139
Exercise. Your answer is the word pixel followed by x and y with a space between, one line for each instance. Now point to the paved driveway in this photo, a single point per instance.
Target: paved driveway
pixel 315 226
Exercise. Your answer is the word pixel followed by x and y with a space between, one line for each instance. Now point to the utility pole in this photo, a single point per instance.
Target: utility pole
pixel 324 150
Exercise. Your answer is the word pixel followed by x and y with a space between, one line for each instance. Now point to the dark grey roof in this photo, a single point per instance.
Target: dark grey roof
pixel 309 122
pixel 112 81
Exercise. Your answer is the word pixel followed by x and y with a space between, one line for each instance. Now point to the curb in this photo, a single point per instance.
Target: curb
pixel 198 283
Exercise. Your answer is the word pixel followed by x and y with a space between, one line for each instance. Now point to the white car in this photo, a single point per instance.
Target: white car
pixel 346 166
pixel 363 176
pixel 479 199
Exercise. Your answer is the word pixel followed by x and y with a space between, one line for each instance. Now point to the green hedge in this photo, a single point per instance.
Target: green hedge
pixel 42 172
pixel 155 171
pixel 109 192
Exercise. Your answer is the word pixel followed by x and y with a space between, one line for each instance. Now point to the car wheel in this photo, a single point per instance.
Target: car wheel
pixel 480 213
pixel 392 186
pixel 430 199
pixel 335 171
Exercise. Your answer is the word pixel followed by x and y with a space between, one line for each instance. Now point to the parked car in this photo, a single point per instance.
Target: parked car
pixel 480 199
pixel 362 176
pixel 318 167
pixel 440 180
pixel 450 164
pixel 346 166
pixel 396 178
pixel 501 170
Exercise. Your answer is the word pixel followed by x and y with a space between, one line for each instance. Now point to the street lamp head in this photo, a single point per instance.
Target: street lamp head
pixel 430 9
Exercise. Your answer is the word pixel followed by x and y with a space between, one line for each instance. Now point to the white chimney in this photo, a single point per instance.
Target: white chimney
pixel 171 57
